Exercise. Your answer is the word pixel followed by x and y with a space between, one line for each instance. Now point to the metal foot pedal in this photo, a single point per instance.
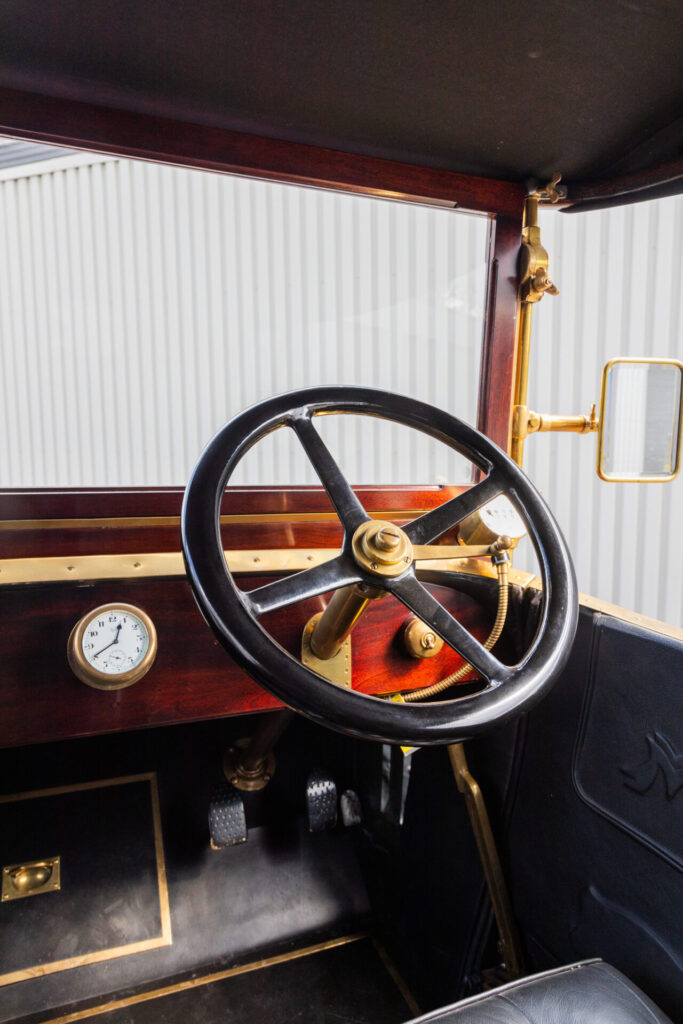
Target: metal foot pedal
pixel 227 821
pixel 321 802
pixel 350 808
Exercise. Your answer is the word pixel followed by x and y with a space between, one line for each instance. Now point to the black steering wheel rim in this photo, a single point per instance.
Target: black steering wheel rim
pixel 233 614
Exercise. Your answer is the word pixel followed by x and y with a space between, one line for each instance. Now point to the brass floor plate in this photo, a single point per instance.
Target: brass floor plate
pixel 337 669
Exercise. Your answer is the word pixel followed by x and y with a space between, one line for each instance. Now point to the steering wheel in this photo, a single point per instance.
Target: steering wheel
pixel 234 614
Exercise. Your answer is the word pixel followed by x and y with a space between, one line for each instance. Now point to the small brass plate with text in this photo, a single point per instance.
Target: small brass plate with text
pixel 30 879
pixel 337 669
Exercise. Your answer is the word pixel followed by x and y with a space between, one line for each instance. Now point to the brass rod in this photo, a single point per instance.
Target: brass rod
pixel 522 377
pixel 490 861
pixel 569 424
pixel 336 622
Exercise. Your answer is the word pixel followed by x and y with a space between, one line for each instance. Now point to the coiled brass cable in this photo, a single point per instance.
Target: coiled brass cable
pixel 455 677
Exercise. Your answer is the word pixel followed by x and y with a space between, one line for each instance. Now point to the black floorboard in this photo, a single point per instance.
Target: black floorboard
pixel 348 984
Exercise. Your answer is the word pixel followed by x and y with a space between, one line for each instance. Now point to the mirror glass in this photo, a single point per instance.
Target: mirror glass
pixel 640 420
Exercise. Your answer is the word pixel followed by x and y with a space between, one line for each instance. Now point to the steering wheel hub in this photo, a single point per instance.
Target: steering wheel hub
pixel 381 548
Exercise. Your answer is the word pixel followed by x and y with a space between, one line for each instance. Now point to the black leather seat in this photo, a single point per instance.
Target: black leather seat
pixel 590 992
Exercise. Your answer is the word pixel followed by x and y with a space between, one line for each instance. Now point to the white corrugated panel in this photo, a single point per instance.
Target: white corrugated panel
pixel 143 306
pixel 620 275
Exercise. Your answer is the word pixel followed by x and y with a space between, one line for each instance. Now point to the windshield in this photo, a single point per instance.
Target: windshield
pixel 145 305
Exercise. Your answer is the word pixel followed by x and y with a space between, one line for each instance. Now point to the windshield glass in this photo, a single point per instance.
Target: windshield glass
pixel 144 305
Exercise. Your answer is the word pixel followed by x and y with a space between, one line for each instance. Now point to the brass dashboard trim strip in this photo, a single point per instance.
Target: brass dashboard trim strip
pixel 144 566
pixel 131 522
pixel 205 979
pixel 85 568
pixel 165 938
pixel 89 568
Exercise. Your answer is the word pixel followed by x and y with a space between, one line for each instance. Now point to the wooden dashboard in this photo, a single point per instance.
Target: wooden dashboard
pixel 192 678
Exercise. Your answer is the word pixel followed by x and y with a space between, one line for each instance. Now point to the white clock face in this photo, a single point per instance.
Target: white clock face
pixel 115 641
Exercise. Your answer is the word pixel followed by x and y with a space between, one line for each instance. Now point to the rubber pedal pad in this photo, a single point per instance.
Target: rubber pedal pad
pixel 227 820
pixel 321 801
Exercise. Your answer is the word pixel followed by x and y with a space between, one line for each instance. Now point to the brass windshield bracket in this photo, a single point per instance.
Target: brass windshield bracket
pixel 534 283
pixel 552 192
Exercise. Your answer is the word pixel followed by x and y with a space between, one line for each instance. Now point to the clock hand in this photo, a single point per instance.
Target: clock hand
pixel 114 641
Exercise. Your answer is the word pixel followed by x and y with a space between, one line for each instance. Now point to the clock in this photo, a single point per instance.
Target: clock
pixel 112 646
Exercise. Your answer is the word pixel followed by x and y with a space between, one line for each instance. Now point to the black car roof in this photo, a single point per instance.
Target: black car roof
pixel 493 88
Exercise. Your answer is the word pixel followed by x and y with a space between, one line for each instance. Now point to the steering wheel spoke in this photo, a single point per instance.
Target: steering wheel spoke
pixel 417 598
pixel 338 572
pixel 348 507
pixel 435 522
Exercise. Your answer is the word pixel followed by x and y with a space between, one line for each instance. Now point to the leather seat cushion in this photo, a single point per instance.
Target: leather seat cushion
pixel 590 992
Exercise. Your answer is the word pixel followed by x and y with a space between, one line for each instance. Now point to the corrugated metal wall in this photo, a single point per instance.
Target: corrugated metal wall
pixel 141 306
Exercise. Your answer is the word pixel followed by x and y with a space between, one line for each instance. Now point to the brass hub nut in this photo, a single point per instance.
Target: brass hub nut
pixel 382 548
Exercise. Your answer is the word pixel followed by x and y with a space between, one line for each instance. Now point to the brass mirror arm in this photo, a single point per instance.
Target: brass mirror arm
pixel 525 422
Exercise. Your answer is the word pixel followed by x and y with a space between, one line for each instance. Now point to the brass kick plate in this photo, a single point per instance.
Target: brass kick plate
pixel 337 669
pixel 30 879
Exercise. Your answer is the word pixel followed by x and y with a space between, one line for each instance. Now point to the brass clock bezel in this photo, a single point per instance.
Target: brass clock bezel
pixel 82 668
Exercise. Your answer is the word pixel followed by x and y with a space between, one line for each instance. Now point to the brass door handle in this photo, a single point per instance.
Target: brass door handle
pixel 30 879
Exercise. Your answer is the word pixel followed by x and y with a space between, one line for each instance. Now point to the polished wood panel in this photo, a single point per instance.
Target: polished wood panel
pixel 193 678
pixel 112 502
pixel 81 522
pixel 101 129
pixel 497 376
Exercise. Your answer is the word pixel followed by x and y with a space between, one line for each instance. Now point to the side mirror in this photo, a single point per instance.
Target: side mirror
pixel 641 419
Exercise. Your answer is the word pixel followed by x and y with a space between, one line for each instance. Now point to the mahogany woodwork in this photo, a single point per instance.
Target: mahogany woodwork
pixel 497 374
pixel 109 502
pixel 101 129
pixel 75 522
pixel 193 678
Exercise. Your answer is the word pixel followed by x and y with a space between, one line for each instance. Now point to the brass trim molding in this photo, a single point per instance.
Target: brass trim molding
pixel 61 569
pixel 160 563
pixel 264 561
pixel 165 938
pixel 206 979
